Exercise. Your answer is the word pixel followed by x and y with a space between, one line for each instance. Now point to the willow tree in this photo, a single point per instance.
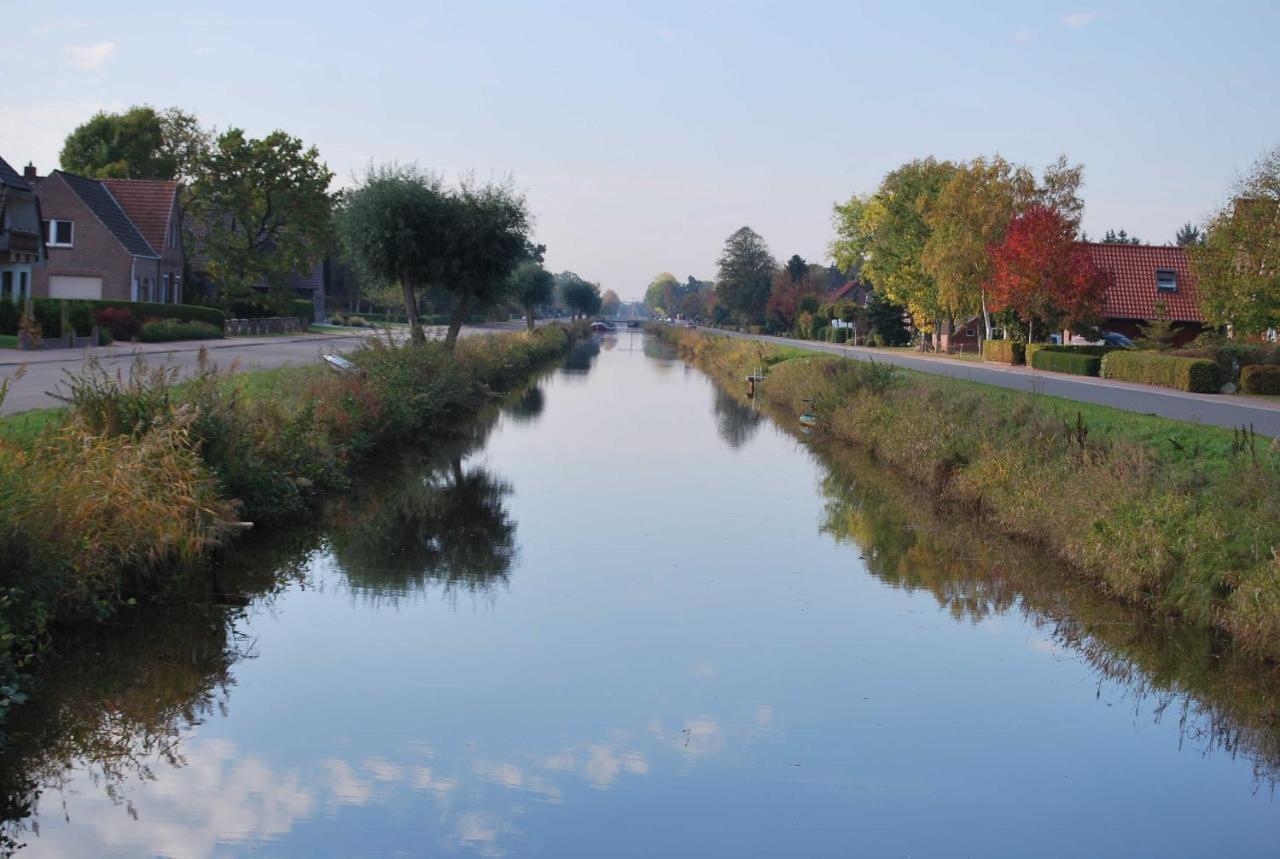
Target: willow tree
pixel 531 285
pixel 397 225
pixel 488 238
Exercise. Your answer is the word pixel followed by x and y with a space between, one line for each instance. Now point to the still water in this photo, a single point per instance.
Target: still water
pixel 628 615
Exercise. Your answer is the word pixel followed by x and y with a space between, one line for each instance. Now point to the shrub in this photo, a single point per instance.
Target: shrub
pixel 122 324
pixel 302 309
pixel 1260 379
pixel 48 311
pixel 840 335
pixel 1066 362
pixel 10 313
pixel 1004 351
pixel 821 332
pixel 1198 375
pixel 167 330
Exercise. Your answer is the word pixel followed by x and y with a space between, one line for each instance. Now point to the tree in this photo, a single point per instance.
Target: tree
pixel 609 303
pixel 580 296
pixel 1237 267
pixel 794 292
pixel 888 230
pixel 140 143
pixel 656 292
pixel 532 285
pixel 797 268
pixel 1188 234
pixel 1041 273
pixel 396 226
pixel 1120 238
pixel 745 275
pixel 261 209
pixel 971 215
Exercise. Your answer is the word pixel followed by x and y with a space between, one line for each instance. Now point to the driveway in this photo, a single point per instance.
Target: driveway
pixel 47 369
pixel 1215 409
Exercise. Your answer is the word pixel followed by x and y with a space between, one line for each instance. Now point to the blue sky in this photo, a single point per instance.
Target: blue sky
pixel 645 133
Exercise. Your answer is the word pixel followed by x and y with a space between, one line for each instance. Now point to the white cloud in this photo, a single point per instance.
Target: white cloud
pixel 1080 19
pixel 1022 36
pixel 89 57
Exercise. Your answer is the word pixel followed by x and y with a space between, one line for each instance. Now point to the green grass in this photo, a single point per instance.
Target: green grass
pixel 23 427
pixel 8 341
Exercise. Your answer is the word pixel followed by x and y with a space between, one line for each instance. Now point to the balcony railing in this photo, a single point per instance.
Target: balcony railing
pixel 19 241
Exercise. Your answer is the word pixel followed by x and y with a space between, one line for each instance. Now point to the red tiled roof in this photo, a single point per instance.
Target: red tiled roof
pixel 849 289
pixel 148 203
pixel 1133 294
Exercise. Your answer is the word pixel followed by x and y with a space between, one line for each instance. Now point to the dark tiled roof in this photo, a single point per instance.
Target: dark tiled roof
pixel 99 200
pixel 10 177
pixel 1132 293
pixel 148 203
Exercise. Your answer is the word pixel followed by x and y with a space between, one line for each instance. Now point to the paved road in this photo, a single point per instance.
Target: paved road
pixel 1215 409
pixel 46 370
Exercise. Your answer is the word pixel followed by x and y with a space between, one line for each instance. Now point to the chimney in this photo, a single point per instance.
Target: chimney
pixel 29 172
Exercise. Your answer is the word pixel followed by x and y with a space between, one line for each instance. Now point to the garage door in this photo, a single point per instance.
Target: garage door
pixel 63 286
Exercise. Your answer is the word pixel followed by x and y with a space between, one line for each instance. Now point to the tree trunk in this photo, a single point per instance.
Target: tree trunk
pixel 986 315
pixel 460 305
pixel 528 315
pixel 411 311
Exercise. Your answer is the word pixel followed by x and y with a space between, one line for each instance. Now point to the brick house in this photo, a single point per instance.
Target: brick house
pixel 115 239
pixel 1148 282
pixel 21 248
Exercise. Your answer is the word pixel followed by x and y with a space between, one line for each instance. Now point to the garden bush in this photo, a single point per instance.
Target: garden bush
pixel 48 310
pixel 1260 379
pixel 120 323
pixel 1004 351
pixel 167 330
pixel 302 308
pixel 1066 362
pixel 1198 375
pixel 840 335
pixel 10 313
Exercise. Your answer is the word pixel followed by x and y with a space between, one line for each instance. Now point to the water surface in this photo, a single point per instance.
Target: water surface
pixel 628 615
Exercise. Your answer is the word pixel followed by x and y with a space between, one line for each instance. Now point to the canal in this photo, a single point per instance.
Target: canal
pixel 626 614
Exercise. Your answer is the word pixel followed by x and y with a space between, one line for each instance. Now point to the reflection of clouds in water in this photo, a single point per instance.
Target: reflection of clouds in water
pixel 217 797
pixel 224 797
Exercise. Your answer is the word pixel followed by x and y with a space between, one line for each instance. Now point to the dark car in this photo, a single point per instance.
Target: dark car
pixel 1115 338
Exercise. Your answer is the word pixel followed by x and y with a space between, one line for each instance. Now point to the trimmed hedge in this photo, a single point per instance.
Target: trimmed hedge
pixel 175 329
pixel 1197 375
pixel 1260 379
pixel 302 309
pixel 1004 351
pixel 140 309
pixel 1066 362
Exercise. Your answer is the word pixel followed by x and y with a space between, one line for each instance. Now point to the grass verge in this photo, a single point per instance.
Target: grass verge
pixel 1176 518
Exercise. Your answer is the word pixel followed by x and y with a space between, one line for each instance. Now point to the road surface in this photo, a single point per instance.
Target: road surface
pixel 1214 409
pixel 46 370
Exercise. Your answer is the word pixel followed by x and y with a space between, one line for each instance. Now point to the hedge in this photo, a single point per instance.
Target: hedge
pixel 839 335
pixel 1198 375
pixel 175 329
pixel 1099 351
pixel 302 309
pixel 1004 351
pixel 1066 362
pixel 1260 379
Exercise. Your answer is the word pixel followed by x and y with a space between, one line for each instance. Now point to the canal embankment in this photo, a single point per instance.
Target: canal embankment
pixel 144 475
pixel 1178 519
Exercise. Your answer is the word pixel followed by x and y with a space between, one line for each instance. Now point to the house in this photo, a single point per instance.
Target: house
pixel 850 290
pixel 116 239
pixel 1148 283
pixel 21 248
pixel 308 285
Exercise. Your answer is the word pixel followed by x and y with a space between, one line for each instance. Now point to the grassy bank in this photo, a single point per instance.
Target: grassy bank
pixel 139 479
pixel 1173 517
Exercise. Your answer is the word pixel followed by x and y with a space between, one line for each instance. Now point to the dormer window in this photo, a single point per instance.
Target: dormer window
pixel 58 234
pixel 1166 280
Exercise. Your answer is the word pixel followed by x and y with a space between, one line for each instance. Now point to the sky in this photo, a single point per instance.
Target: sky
pixel 645 133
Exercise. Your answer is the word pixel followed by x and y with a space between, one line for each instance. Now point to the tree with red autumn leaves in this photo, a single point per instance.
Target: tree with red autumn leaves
pixel 1040 273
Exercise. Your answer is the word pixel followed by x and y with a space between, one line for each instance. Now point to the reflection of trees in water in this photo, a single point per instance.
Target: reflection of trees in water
pixel 1221 700
pixel 433 520
pixel 116 705
pixel 527 406
pixel 118 702
pixel 663 353
pixel 581 357
pixel 736 421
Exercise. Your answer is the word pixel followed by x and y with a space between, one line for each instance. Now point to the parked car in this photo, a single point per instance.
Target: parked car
pixel 1115 338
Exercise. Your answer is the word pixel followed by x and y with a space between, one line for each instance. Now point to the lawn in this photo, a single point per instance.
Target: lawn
pixel 8 341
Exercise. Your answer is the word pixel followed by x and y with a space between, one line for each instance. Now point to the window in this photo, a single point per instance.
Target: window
pixel 144 294
pixel 1166 280
pixel 24 286
pixel 58 234
pixel 6 285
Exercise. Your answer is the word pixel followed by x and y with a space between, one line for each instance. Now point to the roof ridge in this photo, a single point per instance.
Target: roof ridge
pixel 127 217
